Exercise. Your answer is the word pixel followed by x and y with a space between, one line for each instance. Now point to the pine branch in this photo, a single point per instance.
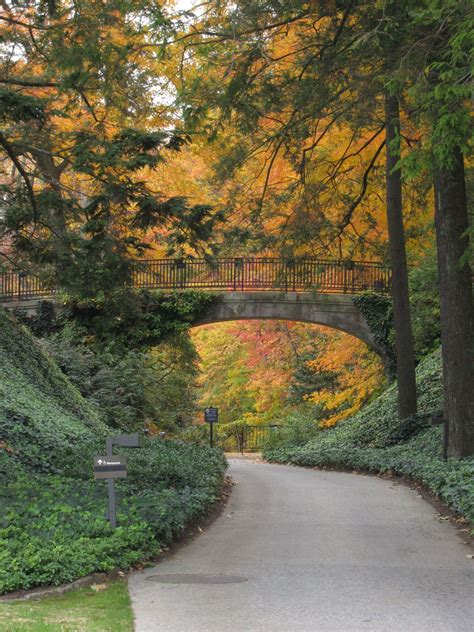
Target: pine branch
pixel 30 83
pixel 11 153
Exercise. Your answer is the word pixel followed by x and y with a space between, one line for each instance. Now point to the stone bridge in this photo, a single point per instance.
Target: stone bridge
pixel 331 310
pixel 307 290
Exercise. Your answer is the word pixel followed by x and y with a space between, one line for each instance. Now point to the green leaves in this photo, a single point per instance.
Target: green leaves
pixel 15 107
pixel 52 524
pixel 52 529
pixel 440 90
pixel 132 319
pixel 378 312
pixel 91 141
pixel 128 151
pixel 91 247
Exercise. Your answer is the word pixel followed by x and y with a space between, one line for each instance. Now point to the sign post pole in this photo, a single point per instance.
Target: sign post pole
pixel 112 511
pixel 112 507
pixel 112 467
pixel 211 416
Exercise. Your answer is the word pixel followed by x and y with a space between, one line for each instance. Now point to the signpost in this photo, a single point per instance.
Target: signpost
pixel 112 467
pixel 211 416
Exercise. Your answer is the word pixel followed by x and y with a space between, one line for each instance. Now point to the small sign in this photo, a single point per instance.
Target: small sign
pixel 211 415
pixel 110 467
pixel 129 441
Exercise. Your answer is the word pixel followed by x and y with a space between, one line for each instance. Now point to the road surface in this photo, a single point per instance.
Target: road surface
pixel 309 551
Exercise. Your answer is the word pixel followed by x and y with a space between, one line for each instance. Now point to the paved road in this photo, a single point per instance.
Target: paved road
pixel 320 551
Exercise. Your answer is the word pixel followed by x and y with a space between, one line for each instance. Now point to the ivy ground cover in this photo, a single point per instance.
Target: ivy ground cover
pixel 52 525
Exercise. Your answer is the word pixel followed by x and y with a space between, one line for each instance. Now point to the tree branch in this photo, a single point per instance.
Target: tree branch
pixel 11 153
pixel 365 181
pixel 30 83
pixel 24 24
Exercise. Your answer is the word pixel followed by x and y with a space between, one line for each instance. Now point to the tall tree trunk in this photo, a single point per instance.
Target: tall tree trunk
pixel 396 238
pixel 457 311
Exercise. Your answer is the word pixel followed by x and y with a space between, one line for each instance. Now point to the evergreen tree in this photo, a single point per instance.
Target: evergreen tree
pixel 81 135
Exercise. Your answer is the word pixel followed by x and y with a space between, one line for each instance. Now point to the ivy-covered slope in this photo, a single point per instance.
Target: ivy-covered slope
pixel 375 440
pixel 42 416
pixel 52 523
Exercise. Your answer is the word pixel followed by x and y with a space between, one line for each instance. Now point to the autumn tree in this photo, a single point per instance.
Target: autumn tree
pixel 82 134
pixel 260 372
pixel 288 75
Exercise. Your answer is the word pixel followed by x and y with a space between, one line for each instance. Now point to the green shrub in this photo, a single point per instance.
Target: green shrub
pixel 44 322
pixel 52 523
pixel 198 434
pixel 377 309
pixel 132 390
pixel 53 529
pixel 129 384
pixel 296 430
pixel 135 319
pixel 424 301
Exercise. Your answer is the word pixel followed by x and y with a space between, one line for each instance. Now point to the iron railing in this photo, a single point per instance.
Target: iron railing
pixel 20 286
pixel 231 274
pixel 246 438
pixel 254 438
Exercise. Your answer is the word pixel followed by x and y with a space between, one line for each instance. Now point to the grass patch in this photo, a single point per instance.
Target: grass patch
pixel 84 610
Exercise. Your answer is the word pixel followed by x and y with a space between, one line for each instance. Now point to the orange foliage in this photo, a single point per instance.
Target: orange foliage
pixel 361 375
pixel 248 369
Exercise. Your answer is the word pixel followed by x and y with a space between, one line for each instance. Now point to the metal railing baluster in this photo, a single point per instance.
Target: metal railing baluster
pixel 237 274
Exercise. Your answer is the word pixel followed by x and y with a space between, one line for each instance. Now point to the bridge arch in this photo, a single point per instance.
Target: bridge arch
pixel 336 311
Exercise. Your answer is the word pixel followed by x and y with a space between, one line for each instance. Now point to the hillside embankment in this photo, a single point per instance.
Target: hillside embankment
pixel 52 525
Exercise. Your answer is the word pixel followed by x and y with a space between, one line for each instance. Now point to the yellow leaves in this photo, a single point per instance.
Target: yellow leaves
pixel 360 375
pixel 248 369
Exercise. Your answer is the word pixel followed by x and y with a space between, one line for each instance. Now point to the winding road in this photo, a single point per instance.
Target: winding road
pixel 308 551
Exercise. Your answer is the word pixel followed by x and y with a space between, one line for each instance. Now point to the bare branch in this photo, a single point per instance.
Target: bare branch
pixel 26 25
pixel 365 181
pixel 345 156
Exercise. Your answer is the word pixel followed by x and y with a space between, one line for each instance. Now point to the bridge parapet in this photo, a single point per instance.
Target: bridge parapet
pixel 237 274
pixel 336 311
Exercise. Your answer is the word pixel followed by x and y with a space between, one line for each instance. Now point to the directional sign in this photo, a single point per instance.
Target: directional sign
pixel 110 467
pixel 211 415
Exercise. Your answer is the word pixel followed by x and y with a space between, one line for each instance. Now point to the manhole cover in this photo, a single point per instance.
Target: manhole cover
pixel 196 578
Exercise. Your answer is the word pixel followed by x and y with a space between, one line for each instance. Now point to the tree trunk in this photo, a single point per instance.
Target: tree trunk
pixel 396 238
pixel 456 302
